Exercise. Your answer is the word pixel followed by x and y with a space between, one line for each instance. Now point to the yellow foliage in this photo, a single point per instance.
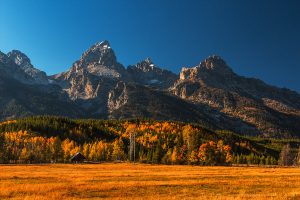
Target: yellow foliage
pixel 8 122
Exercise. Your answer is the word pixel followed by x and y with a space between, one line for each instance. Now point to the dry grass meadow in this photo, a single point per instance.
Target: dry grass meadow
pixel 141 181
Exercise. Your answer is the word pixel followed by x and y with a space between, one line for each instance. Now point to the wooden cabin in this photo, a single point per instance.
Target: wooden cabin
pixel 78 158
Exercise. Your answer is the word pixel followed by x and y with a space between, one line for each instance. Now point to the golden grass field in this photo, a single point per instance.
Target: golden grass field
pixel 141 181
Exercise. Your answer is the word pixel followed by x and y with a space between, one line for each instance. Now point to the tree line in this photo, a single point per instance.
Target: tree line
pixel 53 139
pixel 22 147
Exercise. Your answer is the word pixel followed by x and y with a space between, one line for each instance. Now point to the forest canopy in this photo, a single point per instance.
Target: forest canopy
pixel 46 139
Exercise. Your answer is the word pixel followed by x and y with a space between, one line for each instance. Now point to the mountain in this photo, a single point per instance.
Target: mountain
pixel 147 73
pixel 273 111
pixel 22 94
pixel 25 65
pixel 90 79
pixel 9 68
pixel 98 86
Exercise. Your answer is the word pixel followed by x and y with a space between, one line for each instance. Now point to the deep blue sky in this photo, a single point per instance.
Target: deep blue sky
pixel 257 38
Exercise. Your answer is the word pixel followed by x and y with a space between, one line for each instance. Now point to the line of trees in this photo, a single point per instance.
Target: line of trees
pixel 253 159
pixel 53 139
pixel 287 157
pixel 21 147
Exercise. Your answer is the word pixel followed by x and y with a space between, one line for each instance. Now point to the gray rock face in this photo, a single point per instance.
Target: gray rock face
pixel 100 53
pixel 10 69
pixel 117 97
pixel 100 60
pixel 93 74
pixel 213 65
pixel 92 78
pixel 147 73
pixel 24 63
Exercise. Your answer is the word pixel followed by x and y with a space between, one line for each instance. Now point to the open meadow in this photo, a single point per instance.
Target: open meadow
pixel 142 181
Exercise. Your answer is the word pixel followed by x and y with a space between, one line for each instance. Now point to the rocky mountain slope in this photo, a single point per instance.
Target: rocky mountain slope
pixel 25 65
pixel 25 90
pixel 147 73
pixel 270 109
pixel 98 86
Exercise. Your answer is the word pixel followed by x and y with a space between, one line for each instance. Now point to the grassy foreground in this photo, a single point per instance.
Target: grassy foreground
pixel 141 181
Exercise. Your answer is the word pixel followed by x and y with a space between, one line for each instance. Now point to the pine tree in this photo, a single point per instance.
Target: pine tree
pixel 157 153
pixel 238 159
pixel 2 148
pixel 268 160
pixel 273 161
pixel 250 159
pixel 262 160
pixel 149 155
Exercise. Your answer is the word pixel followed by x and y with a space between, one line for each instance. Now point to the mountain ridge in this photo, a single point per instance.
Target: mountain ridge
pixel 98 86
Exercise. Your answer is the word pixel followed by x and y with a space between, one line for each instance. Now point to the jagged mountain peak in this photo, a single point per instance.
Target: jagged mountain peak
pixel 2 54
pixel 148 60
pixel 92 76
pixel 103 44
pixel 20 58
pixel 215 63
pixel 215 58
pixel 147 73
pixel 146 65
pixel 100 53
pixel 3 57
pixel 212 65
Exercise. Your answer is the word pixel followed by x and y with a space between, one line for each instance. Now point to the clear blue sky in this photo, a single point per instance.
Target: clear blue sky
pixel 257 38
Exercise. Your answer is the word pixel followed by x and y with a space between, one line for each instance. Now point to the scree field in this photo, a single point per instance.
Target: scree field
pixel 141 181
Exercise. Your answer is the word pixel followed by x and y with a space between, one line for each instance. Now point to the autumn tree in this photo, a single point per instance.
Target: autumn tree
pixel 211 153
pixel 55 150
pixel 167 159
pixel 182 155
pixel 86 150
pixel 207 153
pixel 174 156
pixel 193 158
pixel 118 152
pixel 69 149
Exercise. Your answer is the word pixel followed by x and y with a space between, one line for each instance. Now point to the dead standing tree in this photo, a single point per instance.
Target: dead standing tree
pixel 297 159
pixel 132 146
pixel 285 157
pixel 132 136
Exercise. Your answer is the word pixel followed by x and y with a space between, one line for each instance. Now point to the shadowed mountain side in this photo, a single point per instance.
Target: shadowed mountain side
pixel 273 111
pixel 19 100
pixel 151 103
